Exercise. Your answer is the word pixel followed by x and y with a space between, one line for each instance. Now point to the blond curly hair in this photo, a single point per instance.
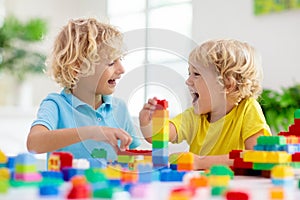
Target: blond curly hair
pixel 80 45
pixel 237 63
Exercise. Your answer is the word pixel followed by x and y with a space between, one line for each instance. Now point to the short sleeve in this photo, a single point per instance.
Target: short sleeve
pixel 186 125
pixel 47 115
pixel 255 120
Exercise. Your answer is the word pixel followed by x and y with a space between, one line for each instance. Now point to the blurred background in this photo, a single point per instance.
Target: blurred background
pixel 159 34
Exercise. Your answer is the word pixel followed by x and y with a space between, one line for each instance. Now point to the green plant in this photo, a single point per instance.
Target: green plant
pixel 279 107
pixel 16 55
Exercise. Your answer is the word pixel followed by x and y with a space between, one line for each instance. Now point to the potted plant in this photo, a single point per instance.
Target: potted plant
pixel 17 57
pixel 279 106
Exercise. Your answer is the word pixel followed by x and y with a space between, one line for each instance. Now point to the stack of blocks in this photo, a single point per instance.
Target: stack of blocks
pixel 160 135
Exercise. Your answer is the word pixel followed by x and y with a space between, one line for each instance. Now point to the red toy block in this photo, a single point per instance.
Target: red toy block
pixel 236 195
pixel 66 159
pixel 235 154
pixel 296 157
pixel 239 163
pixel 135 152
pixel 161 104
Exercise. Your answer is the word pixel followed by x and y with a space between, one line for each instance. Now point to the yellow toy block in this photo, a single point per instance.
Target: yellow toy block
pixel 291 139
pixel 160 136
pixel 282 172
pixel 3 157
pixel 54 163
pixel 278 157
pixel 255 156
pixel 4 174
pixel 276 193
pixel 160 125
pixel 186 158
pixel 160 114
pixel 218 180
pixel 112 172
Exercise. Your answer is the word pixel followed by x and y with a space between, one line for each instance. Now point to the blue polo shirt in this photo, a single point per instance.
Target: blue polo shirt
pixel 64 110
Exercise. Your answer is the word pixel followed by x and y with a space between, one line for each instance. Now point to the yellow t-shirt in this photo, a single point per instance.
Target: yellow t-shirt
pixel 226 134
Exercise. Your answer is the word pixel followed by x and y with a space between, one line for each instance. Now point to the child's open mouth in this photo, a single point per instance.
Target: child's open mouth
pixel 195 96
pixel 112 81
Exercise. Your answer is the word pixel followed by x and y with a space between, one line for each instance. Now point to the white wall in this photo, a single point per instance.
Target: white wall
pixel 276 36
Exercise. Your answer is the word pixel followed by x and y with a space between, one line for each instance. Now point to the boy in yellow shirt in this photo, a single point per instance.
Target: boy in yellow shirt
pixel 224 81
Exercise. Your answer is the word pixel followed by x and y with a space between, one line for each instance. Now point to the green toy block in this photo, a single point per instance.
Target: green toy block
pixel 94 175
pixel 173 159
pixel 4 186
pixel 271 140
pixel 160 137
pixel 125 159
pixel 19 168
pixel 159 144
pixel 263 166
pixel 297 114
pixel 221 170
pixel 105 192
pixel 218 191
pixel 99 153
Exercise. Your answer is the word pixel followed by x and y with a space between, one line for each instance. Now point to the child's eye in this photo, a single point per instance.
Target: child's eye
pixel 196 74
pixel 111 64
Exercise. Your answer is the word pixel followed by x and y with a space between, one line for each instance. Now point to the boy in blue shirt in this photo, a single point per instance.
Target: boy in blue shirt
pixel 86 62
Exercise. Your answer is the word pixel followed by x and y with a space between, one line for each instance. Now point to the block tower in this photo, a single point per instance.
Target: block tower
pixel 160 135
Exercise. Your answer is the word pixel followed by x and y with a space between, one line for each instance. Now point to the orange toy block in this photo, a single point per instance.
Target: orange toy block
pixel 160 114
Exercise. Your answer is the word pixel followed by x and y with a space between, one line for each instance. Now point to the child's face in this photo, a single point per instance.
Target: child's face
pixel 107 82
pixel 103 81
pixel 207 93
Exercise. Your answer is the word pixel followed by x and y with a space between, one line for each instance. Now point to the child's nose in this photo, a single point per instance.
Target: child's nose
pixel 188 82
pixel 119 68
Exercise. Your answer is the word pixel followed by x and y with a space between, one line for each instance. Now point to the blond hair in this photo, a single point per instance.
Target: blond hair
pixel 237 64
pixel 80 45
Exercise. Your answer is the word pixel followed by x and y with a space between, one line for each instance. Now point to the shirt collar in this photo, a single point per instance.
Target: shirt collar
pixel 73 100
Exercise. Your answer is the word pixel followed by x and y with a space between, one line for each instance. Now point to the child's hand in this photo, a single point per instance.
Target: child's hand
pixel 112 135
pixel 145 115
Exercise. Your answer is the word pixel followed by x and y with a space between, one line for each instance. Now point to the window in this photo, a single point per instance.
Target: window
pixel 157 37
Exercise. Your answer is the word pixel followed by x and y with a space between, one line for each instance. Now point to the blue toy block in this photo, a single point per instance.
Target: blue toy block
pixel 291 148
pixel 162 160
pixel 259 147
pixel 164 152
pixel 144 168
pixel 114 182
pixel 11 162
pixel 25 158
pixel 69 172
pixel 173 166
pixel 168 175
pixel 49 190
pixel 52 174
pixel 283 182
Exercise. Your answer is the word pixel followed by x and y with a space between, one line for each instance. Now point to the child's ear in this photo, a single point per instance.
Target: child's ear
pixel 230 85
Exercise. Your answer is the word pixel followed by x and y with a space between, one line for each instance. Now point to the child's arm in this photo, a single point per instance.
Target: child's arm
pixel 252 140
pixel 145 117
pixel 42 140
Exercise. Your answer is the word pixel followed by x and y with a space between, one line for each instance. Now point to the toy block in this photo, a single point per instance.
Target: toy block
pixel 264 166
pixel 276 193
pixel 201 181
pixel 135 152
pixel 173 158
pixel 239 163
pixel 3 158
pixel 160 114
pixel 25 158
pixel 99 153
pixel 218 190
pixel 235 154
pixel 94 175
pixel 160 152
pixel 182 193
pixel 97 162
pixel 80 188
pixel 218 180
pixel 255 156
pixel 161 137
pixel 297 114
pixel 4 174
pixel 4 186
pixel 287 182
pixel 49 190
pixel 160 125
pixel 129 176
pixel 54 163
pixel 221 170
pixel 52 175
pixel 69 172
pixel 112 172
pixel 81 163
pixel 291 148
pixel 11 162
pixel 125 159
pixel 168 175
pixel 163 160
pixel 21 168
pixel 66 159
pixel 278 157
pixel 281 172
pixel 106 192
pixel 237 194
pixel 186 158
pixel 291 139
pixel 159 144
pixel 28 177
pixel 296 157
pixel 185 166
pixel 161 104
pixel 271 140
